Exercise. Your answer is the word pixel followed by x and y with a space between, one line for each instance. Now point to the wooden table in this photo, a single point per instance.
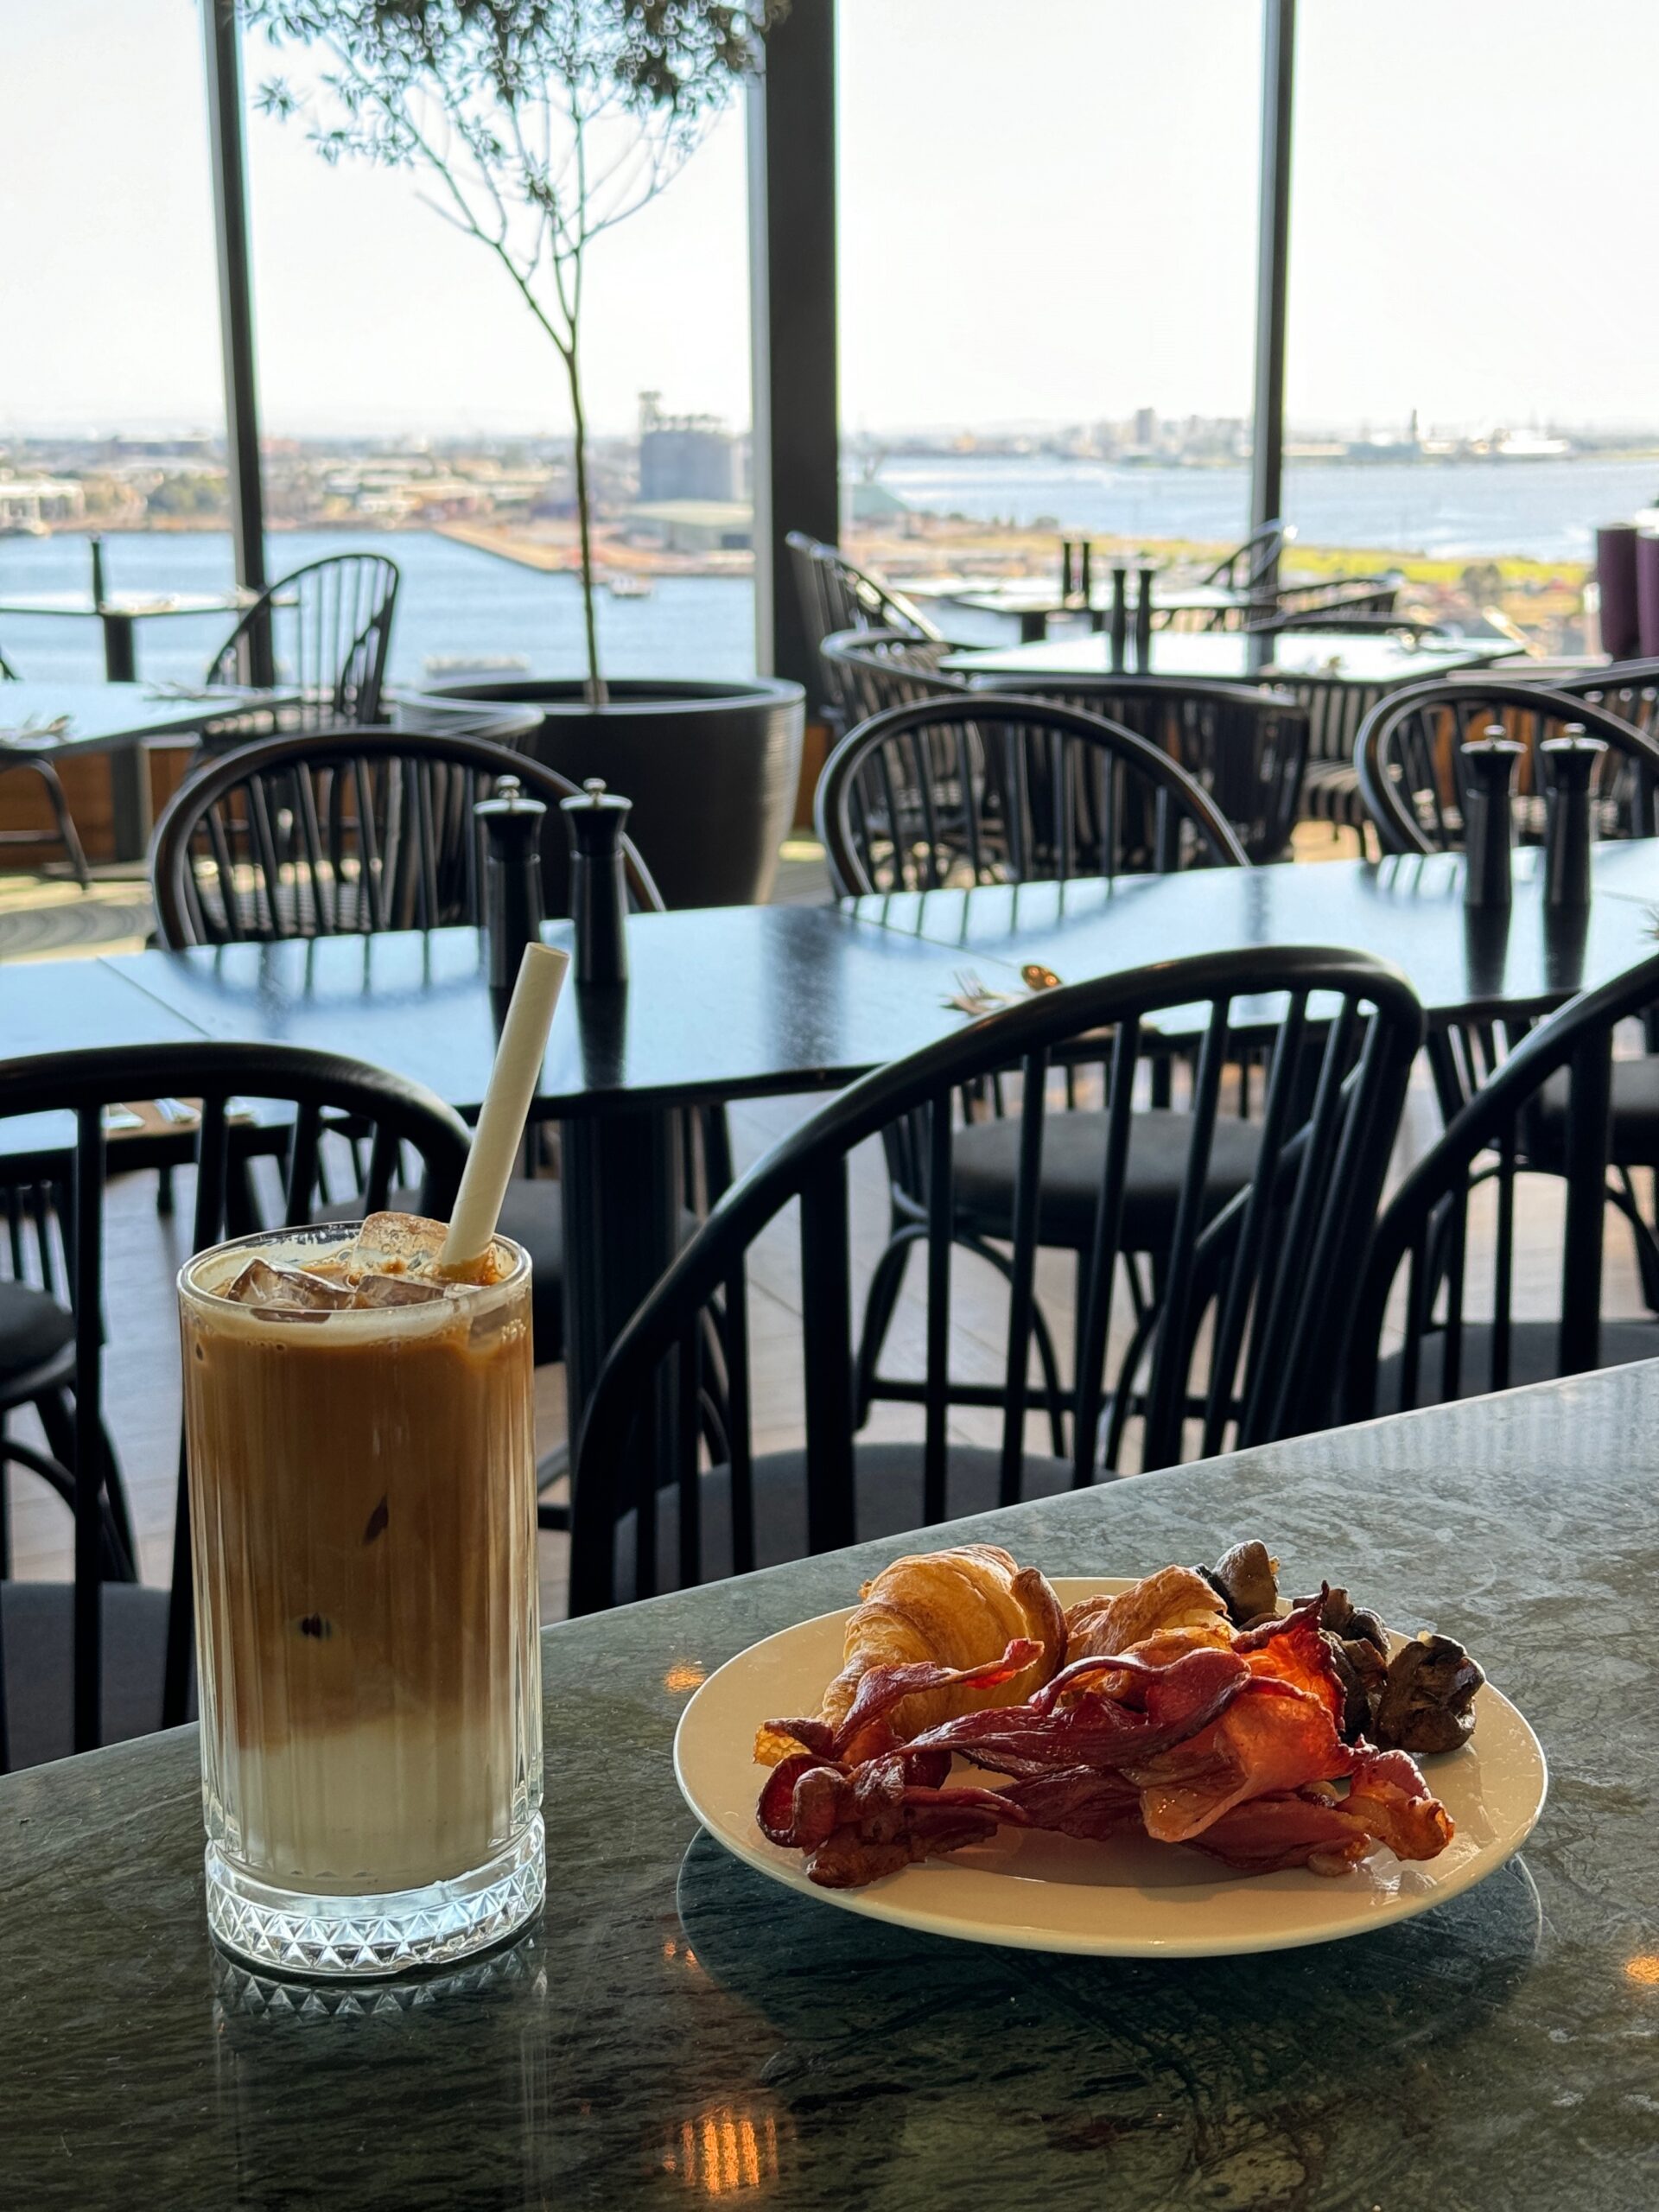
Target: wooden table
pixel 60 721
pixel 675 2029
pixel 740 1002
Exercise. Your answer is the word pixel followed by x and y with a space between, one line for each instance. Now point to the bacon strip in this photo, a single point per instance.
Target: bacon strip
pixel 1156 1708
pixel 1271 1738
pixel 1236 1751
pixel 878 1692
pixel 1295 1650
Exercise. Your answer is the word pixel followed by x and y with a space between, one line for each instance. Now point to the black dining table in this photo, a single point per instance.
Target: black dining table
pixel 1368 658
pixel 675 2028
pixel 1338 675
pixel 119 613
pixel 727 1003
pixel 62 721
pixel 1034 604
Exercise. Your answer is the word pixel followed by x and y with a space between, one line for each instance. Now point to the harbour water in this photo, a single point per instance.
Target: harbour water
pixel 1460 510
pixel 453 601
pixel 459 603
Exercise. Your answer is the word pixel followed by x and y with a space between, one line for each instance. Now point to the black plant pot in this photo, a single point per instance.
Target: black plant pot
pixel 711 768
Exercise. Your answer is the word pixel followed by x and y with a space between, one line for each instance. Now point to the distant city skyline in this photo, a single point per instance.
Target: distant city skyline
pixel 1042 227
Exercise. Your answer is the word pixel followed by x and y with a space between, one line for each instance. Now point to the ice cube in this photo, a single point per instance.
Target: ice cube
pixel 395 1244
pixel 295 1289
pixel 395 1290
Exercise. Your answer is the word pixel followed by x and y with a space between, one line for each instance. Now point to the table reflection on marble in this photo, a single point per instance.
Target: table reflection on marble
pixel 675 2028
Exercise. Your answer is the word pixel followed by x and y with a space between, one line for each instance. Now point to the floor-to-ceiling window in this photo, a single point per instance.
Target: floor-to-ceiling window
pixel 407 390
pixel 1047 274
pixel 1471 326
pixel 112 416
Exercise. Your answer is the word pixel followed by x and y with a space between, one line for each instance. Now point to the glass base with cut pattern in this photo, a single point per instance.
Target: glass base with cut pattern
pixel 362 1936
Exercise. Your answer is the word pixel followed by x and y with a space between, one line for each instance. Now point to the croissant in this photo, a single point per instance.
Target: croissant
pixel 1176 1599
pixel 960 1607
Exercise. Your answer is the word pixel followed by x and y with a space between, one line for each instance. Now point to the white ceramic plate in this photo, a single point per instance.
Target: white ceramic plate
pixel 1130 1897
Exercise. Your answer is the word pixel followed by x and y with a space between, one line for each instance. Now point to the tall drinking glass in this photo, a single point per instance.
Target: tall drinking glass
pixel 363 1519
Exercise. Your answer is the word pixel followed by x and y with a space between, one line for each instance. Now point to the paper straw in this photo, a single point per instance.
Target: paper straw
pixel 507 1105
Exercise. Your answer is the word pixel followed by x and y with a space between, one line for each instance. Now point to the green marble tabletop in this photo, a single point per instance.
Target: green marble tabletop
pixel 676 2028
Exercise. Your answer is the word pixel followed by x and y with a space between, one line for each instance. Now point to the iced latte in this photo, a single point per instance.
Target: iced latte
pixel 363 1515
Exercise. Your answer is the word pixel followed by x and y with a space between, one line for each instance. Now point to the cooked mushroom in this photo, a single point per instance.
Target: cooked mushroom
pixel 1351 1623
pixel 1362 1670
pixel 1426 1697
pixel 1246 1579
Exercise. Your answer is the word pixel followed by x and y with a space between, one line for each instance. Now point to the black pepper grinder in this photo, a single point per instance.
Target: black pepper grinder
pixel 513 876
pixel 1120 616
pixel 599 899
pixel 97 545
pixel 1143 619
pixel 1569 765
pixel 1489 768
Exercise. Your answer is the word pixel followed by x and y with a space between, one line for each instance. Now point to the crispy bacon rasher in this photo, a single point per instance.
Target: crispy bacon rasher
pixel 1237 1751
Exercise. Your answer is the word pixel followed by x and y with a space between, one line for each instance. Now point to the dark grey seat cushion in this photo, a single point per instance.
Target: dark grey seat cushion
pixel 37 1624
pixel 1636 1112
pixel 887 1480
pixel 1534 1347
pixel 33 1327
pixel 1074 1150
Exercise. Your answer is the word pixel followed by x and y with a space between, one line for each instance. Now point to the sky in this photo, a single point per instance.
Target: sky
pixel 1047 215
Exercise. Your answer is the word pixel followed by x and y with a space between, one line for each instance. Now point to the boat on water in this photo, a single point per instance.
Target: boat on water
pixel 622 585
pixel 476 664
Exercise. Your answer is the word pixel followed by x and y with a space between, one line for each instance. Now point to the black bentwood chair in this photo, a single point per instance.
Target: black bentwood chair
pixel 329 626
pixel 108 1657
pixel 995 787
pixel 835 596
pixel 348 832
pixel 1253 566
pixel 867 671
pixel 1004 789
pixel 1409 753
pixel 1462 1337
pixel 343 832
pixel 1257 1290
pixel 1246 744
pixel 1411 773
pixel 67 836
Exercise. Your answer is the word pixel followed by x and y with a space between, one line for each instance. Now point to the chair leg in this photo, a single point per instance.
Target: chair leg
pixel 1123 1396
pixel 68 835
pixel 1045 1354
pixel 1642 1232
pixel 57 1418
pixel 878 1309
pixel 115 1560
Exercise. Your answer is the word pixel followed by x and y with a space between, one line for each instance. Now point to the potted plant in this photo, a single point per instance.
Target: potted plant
pixel 538 126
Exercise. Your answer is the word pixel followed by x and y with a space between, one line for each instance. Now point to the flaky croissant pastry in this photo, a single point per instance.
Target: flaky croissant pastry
pixel 1176 1601
pixel 960 1608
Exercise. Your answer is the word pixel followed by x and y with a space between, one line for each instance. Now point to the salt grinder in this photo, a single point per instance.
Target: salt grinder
pixel 1489 767
pixel 598 902
pixel 513 876
pixel 1569 765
